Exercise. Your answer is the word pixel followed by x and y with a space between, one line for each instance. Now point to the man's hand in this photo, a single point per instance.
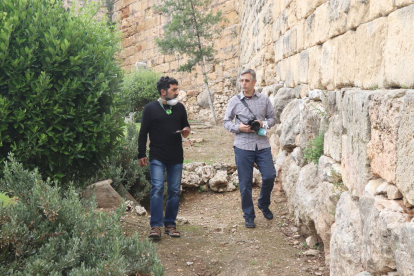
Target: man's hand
pixel 245 128
pixel 143 162
pixel 185 132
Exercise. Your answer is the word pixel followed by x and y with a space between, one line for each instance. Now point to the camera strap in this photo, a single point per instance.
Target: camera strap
pixel 246 105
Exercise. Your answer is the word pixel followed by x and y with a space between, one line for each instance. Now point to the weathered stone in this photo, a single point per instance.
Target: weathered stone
pixel 297 156
pixel 399 56
pixel 311 241
pixel 328 63
pixel 106 196
pixel 338 10
pixel 346 64
pixel 310 122
pixel 355 163
pixel 405 149
pixel 369 53
pixel 381 220
pixel 280 101
pixel 314 74
pixel 384 109
pixel 193 166
pixel 372 186
pixel 190 179
pixel 333 138
pixel 219 182
pixel 206 172
pixel 393 192
pixel 346 241
pixel 404 253
pixel 290 118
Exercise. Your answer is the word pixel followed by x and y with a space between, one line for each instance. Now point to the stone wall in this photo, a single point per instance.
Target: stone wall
pixel 140 25
pixel 343 67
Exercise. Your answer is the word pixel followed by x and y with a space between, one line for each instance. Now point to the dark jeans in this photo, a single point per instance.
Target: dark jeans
pixel 174 173
pixel 245 160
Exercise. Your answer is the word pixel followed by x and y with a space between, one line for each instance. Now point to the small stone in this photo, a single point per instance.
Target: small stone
pixel 189 263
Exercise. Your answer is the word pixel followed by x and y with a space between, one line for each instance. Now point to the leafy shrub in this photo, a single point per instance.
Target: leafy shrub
pixel 315 150
pixel 123 167
pixel 5 200
pixel 58 79
pixel 50 233
pixel 138 89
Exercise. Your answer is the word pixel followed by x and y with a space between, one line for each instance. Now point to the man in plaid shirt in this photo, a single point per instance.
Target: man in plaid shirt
pixel 252 145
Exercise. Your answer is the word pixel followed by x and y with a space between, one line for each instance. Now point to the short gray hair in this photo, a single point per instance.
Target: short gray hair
pixel 249 71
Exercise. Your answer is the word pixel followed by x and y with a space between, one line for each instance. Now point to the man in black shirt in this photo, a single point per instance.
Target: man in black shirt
pixel 165 120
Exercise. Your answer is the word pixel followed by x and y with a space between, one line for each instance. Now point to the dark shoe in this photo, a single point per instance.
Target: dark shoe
pixel 267 213
pixel 250 223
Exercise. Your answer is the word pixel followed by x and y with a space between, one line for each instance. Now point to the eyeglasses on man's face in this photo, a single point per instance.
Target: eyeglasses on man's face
pixel 244 80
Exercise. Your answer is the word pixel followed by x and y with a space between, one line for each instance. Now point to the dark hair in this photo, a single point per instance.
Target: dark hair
pixel 164 83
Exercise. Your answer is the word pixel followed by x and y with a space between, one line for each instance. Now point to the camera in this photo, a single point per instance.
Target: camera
pixel 254 125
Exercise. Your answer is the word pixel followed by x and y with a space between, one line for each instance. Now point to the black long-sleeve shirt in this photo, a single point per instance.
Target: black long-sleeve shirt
pixel 165 145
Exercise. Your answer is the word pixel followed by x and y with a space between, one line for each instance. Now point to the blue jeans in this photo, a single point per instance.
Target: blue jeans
pixel 245 160
pixel 174 173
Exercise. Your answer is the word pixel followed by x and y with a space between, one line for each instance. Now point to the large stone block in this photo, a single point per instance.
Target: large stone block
pixel 356 170
pixel 384 110
pixel 404 254
pixel 290 119
pixel 306 8
pixel 322 26
pixel 380 8
pixel 370 47
pixel 310 122
pixel 279 101
pixel 345 61
pixel 405 149
pixel 358 13
pixel 381 223
pixel 338 10
pixel 328 63
pixel 314 71
pixel 303 67
pixel 332 145
pixel 399 54
pixel 403 3
pixel 346 238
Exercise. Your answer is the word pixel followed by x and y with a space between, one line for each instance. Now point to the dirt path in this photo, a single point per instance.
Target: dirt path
pixel 215 240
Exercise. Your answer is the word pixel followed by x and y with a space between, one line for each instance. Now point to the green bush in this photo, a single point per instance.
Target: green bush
pixel 51 232
pixel 138 89
pixel 315 150
pixel 58 81
pixel 123 167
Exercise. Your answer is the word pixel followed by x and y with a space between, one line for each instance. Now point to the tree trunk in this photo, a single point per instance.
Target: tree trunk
pixel 210 102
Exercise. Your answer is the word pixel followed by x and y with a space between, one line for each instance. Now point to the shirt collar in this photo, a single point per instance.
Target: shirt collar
pixel 257 94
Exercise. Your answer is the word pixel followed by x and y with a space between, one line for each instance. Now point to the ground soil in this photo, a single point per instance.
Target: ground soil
pixel 215 240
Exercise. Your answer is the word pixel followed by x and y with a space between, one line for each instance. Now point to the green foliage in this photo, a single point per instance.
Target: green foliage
pixel 58 78
pixel 51 232
pixel 138 89
pixel 190 31
pixel 5 200
pixel 123 167
pixel 315 150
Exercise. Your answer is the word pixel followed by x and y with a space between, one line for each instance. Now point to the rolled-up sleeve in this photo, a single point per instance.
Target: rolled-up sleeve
pixel 229 117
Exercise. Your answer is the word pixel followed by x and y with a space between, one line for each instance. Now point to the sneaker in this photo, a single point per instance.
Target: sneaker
pixel 250 223
pixel 267 213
